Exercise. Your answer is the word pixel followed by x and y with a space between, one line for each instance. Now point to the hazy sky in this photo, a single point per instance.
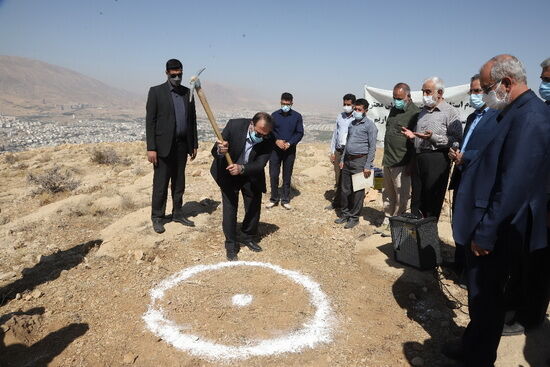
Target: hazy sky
pixel 318 50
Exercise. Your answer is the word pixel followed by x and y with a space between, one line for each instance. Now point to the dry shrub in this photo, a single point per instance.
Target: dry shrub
pixel 53 181
pixel 127 203
pixel 10 158
pixel 45 157
pixel 108 156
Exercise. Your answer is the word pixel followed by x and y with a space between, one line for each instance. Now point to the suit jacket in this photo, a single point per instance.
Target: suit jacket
pixel 502 186
pixel 235 133
pixel 160 120
pixel 483 133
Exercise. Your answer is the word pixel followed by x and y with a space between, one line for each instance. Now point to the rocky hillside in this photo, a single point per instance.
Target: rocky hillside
pixel 78 259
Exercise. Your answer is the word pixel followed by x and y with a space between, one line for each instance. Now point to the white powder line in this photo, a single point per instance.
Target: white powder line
pixel 315 331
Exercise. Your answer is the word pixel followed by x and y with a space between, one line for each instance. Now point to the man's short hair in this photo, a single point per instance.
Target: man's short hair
pixel 263 116
pixel 362 102
pixel 508 66
pixel 350 97
pixel 438 82
pixel 545 63
pixel 475 77
pixel 286 97
pixel 173 64
pixel 403 86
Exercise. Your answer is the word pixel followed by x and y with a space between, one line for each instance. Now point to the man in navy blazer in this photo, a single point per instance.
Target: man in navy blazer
pixel 500 211
pixel 480 126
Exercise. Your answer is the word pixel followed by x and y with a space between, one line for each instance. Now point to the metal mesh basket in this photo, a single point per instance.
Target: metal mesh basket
pixel 415 241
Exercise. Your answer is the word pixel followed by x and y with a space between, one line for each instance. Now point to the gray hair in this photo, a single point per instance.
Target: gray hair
pixel 405 87
pixel 475 77
pixel 508 66
pixel 545 63
pixel 439 84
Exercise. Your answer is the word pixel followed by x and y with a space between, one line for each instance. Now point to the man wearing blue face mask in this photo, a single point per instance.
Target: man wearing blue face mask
pixel 482 125
pixel 398 151
pixel 544 89
pixel 288 130
pixel 358 156
pixel 249 145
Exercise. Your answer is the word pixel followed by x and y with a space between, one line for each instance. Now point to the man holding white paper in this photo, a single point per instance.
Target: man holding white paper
pixel 357 157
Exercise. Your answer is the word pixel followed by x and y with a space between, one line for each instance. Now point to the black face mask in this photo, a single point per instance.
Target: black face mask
pixel 175 79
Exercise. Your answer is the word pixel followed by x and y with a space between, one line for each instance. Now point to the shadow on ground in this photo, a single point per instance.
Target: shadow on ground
pixel 40 353
pixel 421 295
pixel 49 268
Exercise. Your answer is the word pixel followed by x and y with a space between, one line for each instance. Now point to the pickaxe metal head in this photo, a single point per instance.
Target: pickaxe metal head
pixel 195 83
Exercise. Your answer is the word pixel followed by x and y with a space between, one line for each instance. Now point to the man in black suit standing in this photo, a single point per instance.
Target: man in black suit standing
pixel 171 131
pixel 248 143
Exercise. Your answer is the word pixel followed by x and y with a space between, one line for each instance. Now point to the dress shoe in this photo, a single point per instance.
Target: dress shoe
pixel 232 256
pixel 513 329
pixel 252 245
pixel 287 206
pixel 341 220
pixel 181 219
pixel 351 223
pixel 271 204
pixel 453 350
pixel 158 225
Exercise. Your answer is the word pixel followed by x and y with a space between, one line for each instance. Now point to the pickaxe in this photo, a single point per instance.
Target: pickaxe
pixel 196 85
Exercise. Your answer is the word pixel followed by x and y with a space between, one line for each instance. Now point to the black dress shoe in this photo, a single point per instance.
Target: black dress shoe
pixel 252 245
pixel 181 219
pixel 453 350
pixel 513 329
pixel 341 220
pixel 351 223
pixel 232 256
pixel 158 225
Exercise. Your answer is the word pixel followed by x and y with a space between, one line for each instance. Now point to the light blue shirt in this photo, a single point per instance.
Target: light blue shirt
pixel 479 116
pixel 248 145
pixel 340 133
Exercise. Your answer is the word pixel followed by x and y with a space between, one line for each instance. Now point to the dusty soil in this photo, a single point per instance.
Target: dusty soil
pixel 76 270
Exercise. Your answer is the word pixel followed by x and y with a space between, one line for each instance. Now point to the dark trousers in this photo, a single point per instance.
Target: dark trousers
pixel 488 280
pixel 252 207
pixel 352 202
pixel 535 297
pixel 170 169
pixel 460 252
pixel 286 158
pixel 429 182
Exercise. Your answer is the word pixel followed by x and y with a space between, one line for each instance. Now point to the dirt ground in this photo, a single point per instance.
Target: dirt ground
pixel 76 270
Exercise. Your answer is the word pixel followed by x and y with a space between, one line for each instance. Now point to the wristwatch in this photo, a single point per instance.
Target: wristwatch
pixel 242 169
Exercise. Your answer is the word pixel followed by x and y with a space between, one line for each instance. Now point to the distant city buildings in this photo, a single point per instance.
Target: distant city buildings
pixel 18 133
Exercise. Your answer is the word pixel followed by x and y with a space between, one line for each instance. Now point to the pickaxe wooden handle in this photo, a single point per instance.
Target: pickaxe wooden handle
pixel 206 106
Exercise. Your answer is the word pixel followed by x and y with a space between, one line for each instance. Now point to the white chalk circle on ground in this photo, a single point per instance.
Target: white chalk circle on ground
pixel 315 331
pixel 241 300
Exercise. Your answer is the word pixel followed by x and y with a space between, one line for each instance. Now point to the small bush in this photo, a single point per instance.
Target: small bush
pixel 108 156
pixel 53 181
pixel 10 158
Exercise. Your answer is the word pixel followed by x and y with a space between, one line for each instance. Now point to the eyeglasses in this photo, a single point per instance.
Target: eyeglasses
pixel 175 75
pixel 263 136
pixel 486 90
pixel 475 91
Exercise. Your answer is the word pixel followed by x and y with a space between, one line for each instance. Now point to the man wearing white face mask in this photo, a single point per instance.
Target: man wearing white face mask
pixel 438 128
pixel 500 211
pixel 338 143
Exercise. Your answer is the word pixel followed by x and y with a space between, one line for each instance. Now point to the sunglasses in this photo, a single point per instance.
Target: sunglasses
pixel 176 75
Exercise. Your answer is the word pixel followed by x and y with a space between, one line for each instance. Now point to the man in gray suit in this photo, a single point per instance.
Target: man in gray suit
pixel 171 132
